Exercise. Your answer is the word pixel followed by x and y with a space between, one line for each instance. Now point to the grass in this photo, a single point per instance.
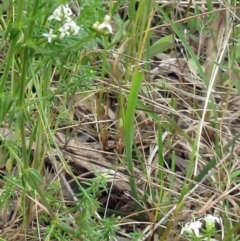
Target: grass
pixel 119 120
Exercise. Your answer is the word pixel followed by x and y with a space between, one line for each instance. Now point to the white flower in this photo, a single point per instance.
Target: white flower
pixel 73 26
pixel 57 14
pixel 63 13
pixel 67 11
pixel 210 221
pixel 106 24
pixel 64 30
pixel 60 12
pixel 192 228
pixel 50 35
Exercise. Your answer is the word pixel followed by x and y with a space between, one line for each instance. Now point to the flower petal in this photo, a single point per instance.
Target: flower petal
pixel 50 35
pixel 105 25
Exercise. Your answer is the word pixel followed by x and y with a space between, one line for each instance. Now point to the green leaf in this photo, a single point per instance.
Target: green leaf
pixel 5 105
pixel 129 129
pixel 235 174
pixel 161 45
pixel 237 46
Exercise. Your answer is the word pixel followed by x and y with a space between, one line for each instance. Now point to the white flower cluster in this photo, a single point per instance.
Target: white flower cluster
pixel 62 14
pixel 194 228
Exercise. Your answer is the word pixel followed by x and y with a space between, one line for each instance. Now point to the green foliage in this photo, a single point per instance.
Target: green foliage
pixel 44 68
pixel 163 44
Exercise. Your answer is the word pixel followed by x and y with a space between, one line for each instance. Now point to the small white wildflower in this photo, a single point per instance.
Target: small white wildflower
pixel 67 11
pixel 106 24
pixel 64 30
pixel 60 12
pixel 192 228
pixel 57 14
pixel 210 221
pixel 50 36
pixel 73 26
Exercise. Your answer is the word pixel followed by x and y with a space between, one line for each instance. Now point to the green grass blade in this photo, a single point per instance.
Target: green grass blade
pixel 129 129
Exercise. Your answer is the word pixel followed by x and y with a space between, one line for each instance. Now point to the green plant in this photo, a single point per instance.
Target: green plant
pixel 118 116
